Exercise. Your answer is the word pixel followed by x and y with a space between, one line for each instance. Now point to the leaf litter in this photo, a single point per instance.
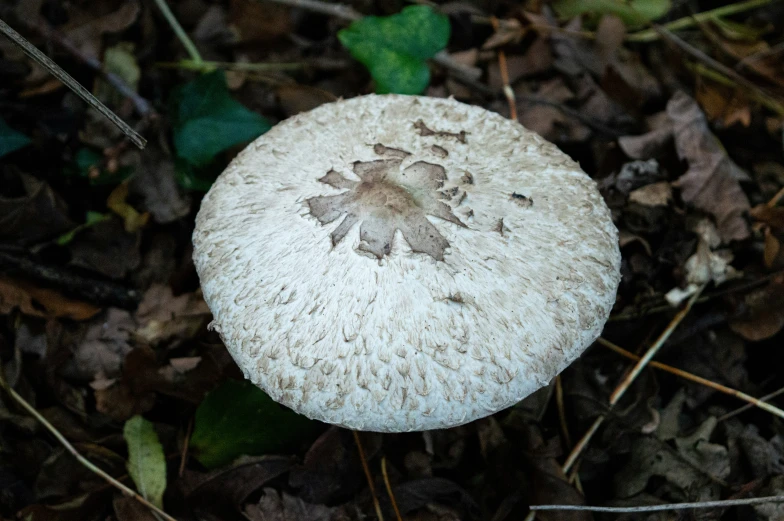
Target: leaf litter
pixel 104 325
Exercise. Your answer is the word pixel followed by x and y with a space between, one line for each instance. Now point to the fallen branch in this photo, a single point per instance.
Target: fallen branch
pixel 662 508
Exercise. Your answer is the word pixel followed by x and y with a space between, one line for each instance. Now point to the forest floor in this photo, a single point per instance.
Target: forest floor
pixel 676 111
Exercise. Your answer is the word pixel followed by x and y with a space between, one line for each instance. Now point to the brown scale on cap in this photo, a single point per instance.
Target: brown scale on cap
pixel 387 199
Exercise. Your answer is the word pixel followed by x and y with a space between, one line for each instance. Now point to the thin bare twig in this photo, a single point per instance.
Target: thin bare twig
pixel 696 379
pixel 662 508
pixel 141 105
pixel 190 47
pixel 504 70
pixel 330 9
pixel 185 443
pixel 650 35
pixel 712 63
pixel 559 400
pixel 368 475
pixel 75 453
pixel 58 72
pixel 629 378
pixel 748 406
pixel 389 489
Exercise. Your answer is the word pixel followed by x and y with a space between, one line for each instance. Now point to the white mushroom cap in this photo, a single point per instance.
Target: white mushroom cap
pixel 398 263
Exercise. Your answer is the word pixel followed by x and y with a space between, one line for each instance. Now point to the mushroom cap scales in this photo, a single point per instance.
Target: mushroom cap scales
pixel 399 263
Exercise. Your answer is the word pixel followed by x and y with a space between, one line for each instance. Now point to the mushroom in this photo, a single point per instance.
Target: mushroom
pixel 398 263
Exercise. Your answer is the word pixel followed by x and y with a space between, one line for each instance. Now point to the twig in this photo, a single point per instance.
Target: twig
pixel 75 453
pixel 671 506
pixel 650 35
pixel 330 9
pixel 141 105
pixel 748 406
pixel 624 386
pixel 697 54
pixel 504 70
pixel 697 379
pixel 776 198
pixel 588 121
pixel 559 400
pixel 369 476
pixel 184 454
pixel 190 47
pixel 630 377
pixel 389 489
pixel 57 71
pixel 760 97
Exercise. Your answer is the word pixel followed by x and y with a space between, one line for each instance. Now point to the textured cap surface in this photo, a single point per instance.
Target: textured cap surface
pixel 397 263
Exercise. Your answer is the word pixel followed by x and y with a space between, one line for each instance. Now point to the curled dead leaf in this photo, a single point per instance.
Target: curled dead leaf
pixel 41 302
pixel 712 180
pixel 765 316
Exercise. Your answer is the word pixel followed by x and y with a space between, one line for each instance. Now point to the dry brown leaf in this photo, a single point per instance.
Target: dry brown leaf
pixel 712 181
pixel 162 316
pixel 706 265
pixel 772 248
pixel 30 210
pixel 656 194
pixel 258 22
pixel 41 302
pixel 103 348
pixel 295 98
pixel 86 30
pixel 724 104
pixel 537 59
pixel 773 216
pixel 511 31
pixel 765 317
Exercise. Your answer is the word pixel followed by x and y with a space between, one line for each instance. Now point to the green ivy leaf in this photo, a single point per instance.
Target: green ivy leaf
pixel 394 48
pixel 10 139
pixel 207 120
pixel 146 462
pixel 238 418
pixel 634 13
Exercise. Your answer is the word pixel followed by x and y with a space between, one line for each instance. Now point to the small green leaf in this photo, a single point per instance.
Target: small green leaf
pixel 394 48
pixel 91 219
pixel 10 139
pixel 634 13
pixel 146 462
pixel 208 121
pixel 239 418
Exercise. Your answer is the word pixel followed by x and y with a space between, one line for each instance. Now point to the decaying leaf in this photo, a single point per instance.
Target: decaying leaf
pixel 41 302
pixel 765 315
pixel 712 181
pixel 276 506
pixel 162 316
pixel 706 265
pixel 30 210
pixel 690 467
